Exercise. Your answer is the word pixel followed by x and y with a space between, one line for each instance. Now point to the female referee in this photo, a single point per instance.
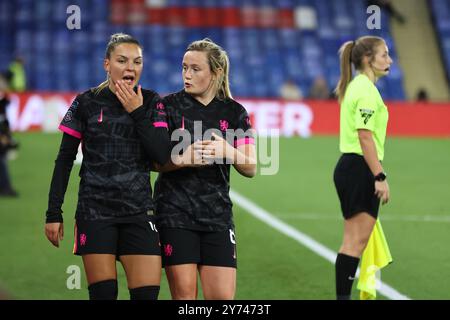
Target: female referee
pixel 193 206
pixel 114 216
pixel 359 176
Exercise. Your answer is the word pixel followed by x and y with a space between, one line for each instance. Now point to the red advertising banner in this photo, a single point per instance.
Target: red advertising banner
pixel 44 111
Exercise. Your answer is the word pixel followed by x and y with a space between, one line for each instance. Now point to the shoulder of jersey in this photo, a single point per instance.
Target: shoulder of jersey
pixel 358 86
pixel 85 96
pixel 172 96
pixel 149 92
pixel 235 105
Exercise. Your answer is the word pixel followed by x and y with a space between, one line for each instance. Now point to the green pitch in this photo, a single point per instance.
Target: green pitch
pixel 270 265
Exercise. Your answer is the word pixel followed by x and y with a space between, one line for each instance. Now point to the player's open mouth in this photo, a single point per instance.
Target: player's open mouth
pixel 187 85
pixel 128 80
pixel 387 69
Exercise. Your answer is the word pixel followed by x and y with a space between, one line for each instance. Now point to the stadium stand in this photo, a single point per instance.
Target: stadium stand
pixel 441 16
pixel 268 41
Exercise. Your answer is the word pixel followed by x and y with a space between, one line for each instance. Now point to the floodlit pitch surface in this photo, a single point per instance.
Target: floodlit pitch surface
pixel 270 264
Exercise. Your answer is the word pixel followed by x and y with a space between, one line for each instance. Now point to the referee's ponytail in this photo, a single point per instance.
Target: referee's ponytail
pixel 115 40
pixel 346 69
pixel 353 52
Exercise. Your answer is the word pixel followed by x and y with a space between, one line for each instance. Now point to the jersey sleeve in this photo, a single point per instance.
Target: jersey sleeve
pixel 73 123
pixel 60 179
pixel 365 112
pixel 158 113
pixel 244 134
pixel 152 128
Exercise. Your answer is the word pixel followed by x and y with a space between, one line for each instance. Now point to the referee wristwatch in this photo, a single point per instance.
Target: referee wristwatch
pixel 380 177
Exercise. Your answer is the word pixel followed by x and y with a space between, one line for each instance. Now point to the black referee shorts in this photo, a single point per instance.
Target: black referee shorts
pixel 182 246
pixel 355 186
pixel 131 237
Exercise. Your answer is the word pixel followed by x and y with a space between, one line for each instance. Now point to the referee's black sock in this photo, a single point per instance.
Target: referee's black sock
pixel 345 274
pixel 103 290
pixel 144 293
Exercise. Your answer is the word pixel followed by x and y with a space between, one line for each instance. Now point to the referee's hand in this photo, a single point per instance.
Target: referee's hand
pixel 382 191
pixel 54 232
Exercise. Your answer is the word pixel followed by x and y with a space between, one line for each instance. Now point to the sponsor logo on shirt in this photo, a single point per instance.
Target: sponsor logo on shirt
pixel 366 114
pixel 68 116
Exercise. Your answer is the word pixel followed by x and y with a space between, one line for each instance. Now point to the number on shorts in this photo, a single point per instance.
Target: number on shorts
pixel 153 226
pixel 232 237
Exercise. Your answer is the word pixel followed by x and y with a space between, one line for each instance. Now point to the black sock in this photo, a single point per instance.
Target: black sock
pixel 345 274
pixel 103 290
pixel 144 293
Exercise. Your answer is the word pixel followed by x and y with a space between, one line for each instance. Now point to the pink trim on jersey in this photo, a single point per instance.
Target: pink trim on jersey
pixel 70 131
pixel 242 141
pixel 160 124
pixel 75 241
pixel 182 122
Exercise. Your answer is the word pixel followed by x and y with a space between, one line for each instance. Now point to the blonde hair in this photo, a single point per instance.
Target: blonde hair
pixel 353 52
pixel 115 40
pixel 218 63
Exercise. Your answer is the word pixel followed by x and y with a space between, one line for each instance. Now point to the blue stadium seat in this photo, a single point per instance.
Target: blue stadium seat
pixel 269 39
pixel 287 4
pixel 101 10
pixel 289 38
pixel 228 3
pixel 395 88
pixel 6 10
pixel 210 3
pixel 261 58
pixel 23 40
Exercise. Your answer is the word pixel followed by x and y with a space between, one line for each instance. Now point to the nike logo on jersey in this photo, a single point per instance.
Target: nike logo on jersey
pixel 100 117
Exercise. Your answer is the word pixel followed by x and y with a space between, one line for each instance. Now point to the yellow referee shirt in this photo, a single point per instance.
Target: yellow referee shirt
pixel 362 108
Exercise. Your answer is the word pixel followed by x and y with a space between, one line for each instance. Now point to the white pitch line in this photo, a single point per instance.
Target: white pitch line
pixel 386 217
pixel 303 239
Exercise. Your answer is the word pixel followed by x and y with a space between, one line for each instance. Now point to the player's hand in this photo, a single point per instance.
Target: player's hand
pixel 54 232
pixel 130 100
pixel 191 157
pixel 382 191
pixel 217 148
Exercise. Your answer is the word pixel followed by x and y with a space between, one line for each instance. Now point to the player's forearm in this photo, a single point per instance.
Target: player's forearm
pixel 60 178
pixel 369 151
pixel 155 140
pixel 168 166
pixel 245 164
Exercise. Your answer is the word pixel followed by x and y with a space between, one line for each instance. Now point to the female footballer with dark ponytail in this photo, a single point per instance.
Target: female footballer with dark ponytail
pixel 359 177
pixel 114 216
